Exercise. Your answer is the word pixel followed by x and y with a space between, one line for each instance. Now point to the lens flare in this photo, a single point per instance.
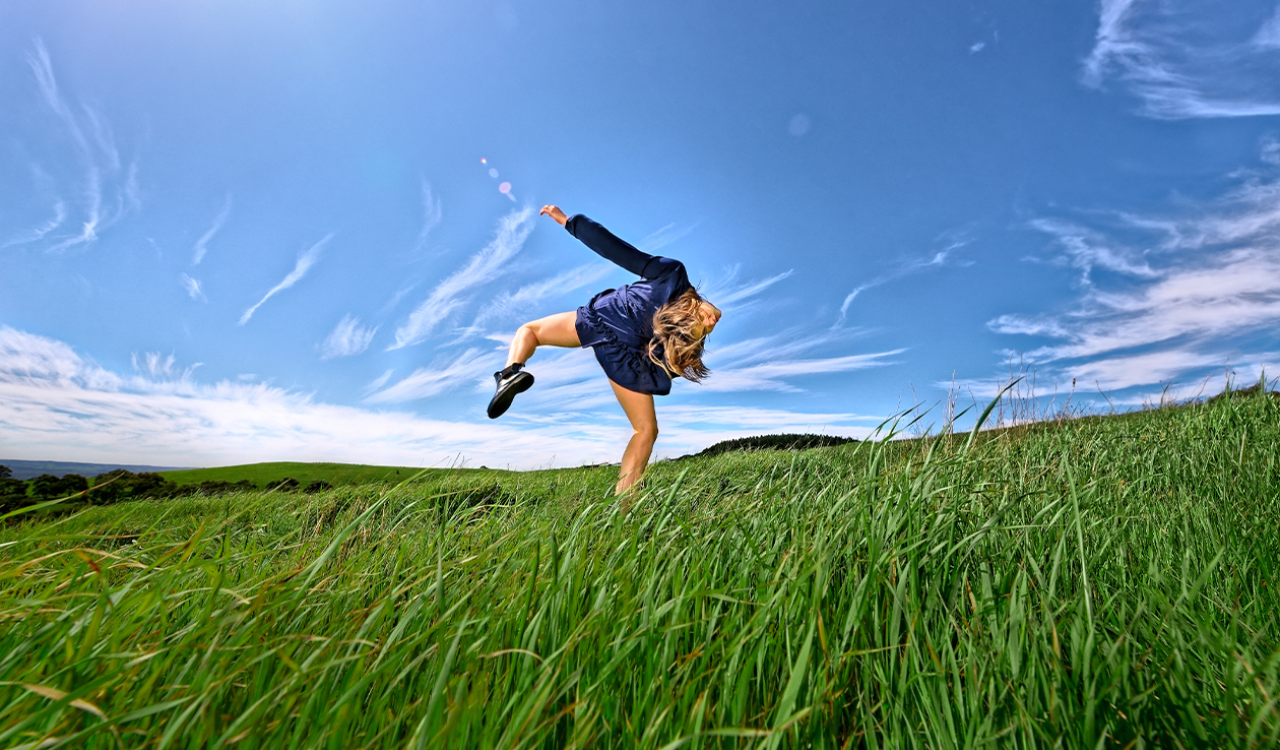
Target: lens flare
pixel 483 160
pixel 493 172
pixel 504 188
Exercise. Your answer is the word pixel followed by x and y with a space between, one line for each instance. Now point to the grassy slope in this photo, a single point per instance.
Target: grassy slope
pixel 265 474
pixel 1082 584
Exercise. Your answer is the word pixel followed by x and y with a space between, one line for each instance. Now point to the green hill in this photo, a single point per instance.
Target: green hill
pixel 23 469
pixel 266 474
pixel 1108 582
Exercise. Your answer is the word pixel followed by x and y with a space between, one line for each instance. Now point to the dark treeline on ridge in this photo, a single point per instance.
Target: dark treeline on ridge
pixel 121 485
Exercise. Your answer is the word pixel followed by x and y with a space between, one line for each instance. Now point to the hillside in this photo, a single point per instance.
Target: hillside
pixel 266 474
pixel 1102 582
pixel 32 469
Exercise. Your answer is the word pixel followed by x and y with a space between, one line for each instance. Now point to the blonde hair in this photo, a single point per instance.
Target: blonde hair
pixel 675 327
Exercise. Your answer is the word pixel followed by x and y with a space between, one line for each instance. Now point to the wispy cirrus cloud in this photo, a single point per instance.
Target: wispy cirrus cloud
pixel 44 184
pixel 775 362
pixel 193 288
pixel 727 291
pixel 507 305
pixel 106 190
pixel 347 339
pixel 432 215
pixel 377 383
pixel 202 245
pixel 953 241
pixel 1086 249
pixel 488 264
pixel 445 374
pixel 54 403
pixel 667 235
pixel 1232 293
pixel 57 404
pixel 42 68
pixel 306 260
pixel 1204 291
pixel 777 375
pixel 158 366
pixel 1185 59
pixel 154 364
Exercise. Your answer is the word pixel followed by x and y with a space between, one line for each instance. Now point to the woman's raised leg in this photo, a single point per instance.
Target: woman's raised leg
pixel 553 330
pixel 644 426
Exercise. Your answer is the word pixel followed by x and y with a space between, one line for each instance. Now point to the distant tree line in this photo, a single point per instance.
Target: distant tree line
pixel 774 442
pixel 120 485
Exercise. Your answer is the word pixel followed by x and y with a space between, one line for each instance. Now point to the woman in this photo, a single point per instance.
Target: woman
pixel 643 334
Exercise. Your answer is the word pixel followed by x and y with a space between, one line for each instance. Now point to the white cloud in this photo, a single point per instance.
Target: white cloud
pixel 379 381
pixel 775 375
pixel 1201 295
pixel 728 291
pixel 954 239
pixel 42 69
pixel 202 244
pixel 193 287
pixel 665 236
pixel 490 263
pixel 1271 151
pixel 132 190
pixel 154 364
pixel 306 259
pixel 1118 373
pixel 507 305
pixel 347 339
pixel 37 233
pixel 107 192
pixel 446 373
pixel 432 214
pixel 54 404
pixel 390 304
pixel 1086 249
pixel 977 47
pixel 1268 36
pixel 1235 292
pixel 1183 61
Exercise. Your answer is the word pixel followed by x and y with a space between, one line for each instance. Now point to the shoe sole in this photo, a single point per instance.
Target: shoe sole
pixel 502 399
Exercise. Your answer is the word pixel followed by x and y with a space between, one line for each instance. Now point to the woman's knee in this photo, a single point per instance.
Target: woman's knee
pixel 529 331
pixel 647 432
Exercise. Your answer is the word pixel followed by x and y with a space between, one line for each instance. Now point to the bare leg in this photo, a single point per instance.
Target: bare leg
pixel 644 423
pixel 553 330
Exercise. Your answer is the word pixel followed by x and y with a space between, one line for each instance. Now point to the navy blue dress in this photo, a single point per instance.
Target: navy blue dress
pixel 618 323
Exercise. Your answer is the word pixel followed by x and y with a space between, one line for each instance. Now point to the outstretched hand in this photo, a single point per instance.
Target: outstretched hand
pixel 555 213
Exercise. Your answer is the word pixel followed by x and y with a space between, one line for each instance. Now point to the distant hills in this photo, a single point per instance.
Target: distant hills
pixel 266 474
pixel 32 469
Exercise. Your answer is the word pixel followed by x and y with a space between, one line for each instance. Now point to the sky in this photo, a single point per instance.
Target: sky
pixel 239 231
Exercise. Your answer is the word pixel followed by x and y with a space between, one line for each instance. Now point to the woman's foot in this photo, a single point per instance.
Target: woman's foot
pixel 510 381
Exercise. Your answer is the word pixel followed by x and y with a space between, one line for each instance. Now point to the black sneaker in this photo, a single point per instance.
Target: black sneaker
pixel 511 381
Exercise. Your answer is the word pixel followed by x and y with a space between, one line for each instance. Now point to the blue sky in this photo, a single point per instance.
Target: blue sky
pixel 243 231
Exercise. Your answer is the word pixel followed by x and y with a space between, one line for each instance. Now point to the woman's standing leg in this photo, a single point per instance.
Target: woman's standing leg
pixel 553 330
pixel 644 425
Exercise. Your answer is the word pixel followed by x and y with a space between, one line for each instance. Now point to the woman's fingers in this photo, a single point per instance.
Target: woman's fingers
pixel 554 212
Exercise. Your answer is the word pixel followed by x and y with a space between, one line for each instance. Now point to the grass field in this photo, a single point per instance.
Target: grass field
pixel 1101 582
pixel 267 474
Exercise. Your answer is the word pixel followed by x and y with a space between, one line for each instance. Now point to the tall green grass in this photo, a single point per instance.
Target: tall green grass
pixel 1091 583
